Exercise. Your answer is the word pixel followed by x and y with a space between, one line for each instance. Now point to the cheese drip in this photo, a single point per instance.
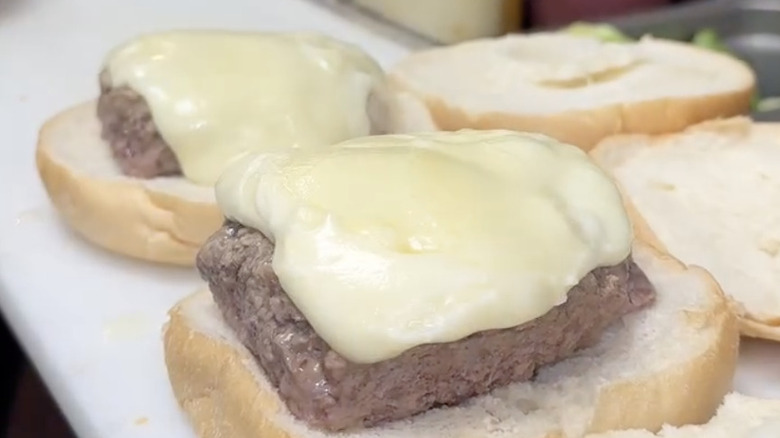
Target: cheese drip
pixel 214 95
pixel 389 242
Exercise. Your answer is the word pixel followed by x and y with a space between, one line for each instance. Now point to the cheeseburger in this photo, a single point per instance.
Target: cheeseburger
pixel 448 284
pixel 134 171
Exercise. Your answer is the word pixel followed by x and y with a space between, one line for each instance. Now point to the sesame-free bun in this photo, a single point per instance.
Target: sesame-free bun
pixel 488 83
pixel 671 363
pixel 162 220
pixel 740 416
pixel 707 196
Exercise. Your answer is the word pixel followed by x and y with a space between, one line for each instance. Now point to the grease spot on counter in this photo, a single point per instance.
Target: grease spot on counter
pixel 127 327
pixel 141 421
pixel 30 215
pixel 80 368
pixel 663 186
pixel 84 365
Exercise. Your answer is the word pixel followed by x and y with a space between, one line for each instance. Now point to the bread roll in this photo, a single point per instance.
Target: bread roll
pixel 671 363
pixel 711 197
pixel 574 88
pixel 164 219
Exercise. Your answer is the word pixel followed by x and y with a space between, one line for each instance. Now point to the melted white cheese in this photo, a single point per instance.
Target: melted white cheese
pixel 214 95
pixel 389 242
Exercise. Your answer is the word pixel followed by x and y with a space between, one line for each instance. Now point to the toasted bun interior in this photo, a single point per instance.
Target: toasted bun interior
pixel 479 84
pixel 672 364
pixel 709 196
pixel 161 220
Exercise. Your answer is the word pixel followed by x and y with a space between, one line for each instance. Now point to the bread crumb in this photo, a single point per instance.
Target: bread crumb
pixel 770 246
pixel 140 421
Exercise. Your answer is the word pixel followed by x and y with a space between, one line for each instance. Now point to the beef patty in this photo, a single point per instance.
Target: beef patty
pixel 325 390
pixel 136 144
pixel 128 128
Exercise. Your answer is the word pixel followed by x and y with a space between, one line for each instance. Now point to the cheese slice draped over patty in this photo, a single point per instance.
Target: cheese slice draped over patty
pixel 214 95
pixel 388 242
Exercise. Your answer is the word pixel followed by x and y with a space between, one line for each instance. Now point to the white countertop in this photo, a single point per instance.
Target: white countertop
pixel 91 321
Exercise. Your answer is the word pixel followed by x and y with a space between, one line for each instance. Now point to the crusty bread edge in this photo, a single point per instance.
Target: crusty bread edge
pixel 123 216
pixel 215 386
pixel 707 377
pixel 760 330
pixel 214 383
pixel 750 326
pixel 585 128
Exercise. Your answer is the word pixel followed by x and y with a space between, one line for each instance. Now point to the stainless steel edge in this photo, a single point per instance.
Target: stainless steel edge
pixel 376 23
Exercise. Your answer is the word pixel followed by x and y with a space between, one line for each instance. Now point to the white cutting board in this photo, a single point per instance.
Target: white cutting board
pixel 89 320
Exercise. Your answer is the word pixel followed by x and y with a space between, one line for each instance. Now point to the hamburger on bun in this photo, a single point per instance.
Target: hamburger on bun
pixel 446 284
pixel 133 171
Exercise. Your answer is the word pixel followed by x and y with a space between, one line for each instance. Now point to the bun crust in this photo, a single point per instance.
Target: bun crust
pixel 739 416
pixel 678 377
pixel 162 220
pixel 586 128
pixel 581 119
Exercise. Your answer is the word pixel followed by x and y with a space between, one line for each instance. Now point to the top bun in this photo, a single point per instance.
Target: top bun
pixel 574 88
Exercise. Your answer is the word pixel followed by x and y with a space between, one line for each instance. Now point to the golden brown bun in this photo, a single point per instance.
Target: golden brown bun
pixel 672 363
pixel 740 416
pixel 703 195
pixel 161 220
pixel 458 85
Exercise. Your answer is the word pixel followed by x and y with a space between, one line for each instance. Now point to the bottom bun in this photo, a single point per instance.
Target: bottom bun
pixel 740 416
pixel 669 364
pixel 163 220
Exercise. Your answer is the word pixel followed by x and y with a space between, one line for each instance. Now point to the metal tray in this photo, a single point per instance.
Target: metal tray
pixel 376 23
pixel 750 28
